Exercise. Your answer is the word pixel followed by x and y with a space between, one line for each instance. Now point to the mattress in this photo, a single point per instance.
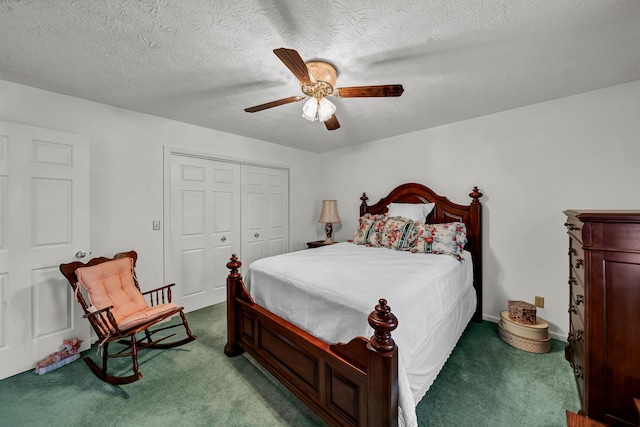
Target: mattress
pixel 431 295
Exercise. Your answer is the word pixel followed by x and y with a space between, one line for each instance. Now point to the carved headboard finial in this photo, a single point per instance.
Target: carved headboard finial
pixel 383 321
pixel 364 199
pixel 475 195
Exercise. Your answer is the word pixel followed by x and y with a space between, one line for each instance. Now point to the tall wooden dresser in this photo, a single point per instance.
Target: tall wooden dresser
pixel 604 307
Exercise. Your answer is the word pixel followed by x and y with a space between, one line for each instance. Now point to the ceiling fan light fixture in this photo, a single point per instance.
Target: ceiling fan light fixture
pixel 322 71
pixel 317 81
pixel 318 109
pixel 310 109
pixel 325 109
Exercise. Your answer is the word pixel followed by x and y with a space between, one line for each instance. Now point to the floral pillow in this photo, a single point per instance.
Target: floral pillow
pixel 447 239
pixel 397 232
pixel 369 226
pixel 375 232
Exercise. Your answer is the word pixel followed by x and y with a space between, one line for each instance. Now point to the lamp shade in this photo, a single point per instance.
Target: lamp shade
pixel 310 110
pixel 329 212
pixel 318 109
pixel 325 109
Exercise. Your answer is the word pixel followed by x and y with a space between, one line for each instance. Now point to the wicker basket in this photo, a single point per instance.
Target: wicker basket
pixel 526 344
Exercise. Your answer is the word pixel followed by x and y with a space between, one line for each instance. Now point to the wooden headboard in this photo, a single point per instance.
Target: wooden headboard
pixel 444 211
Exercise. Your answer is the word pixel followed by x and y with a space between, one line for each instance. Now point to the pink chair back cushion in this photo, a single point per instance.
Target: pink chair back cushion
pixel 111 284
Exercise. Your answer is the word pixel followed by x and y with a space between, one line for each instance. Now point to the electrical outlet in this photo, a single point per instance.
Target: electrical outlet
pixel 539 302
pixel 156 224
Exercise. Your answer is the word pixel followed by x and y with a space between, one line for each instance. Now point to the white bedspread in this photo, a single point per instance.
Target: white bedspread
pixel 431 295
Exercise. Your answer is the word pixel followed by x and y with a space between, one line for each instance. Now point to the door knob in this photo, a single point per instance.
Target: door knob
pixel 223 238
pixel 256 235
pixel 81 254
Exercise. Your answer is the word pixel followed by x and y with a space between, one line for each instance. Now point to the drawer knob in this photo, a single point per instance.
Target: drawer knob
pixel 571 226
pixel 579 262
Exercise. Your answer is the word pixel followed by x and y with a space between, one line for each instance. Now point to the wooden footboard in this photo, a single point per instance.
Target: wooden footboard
pixel 354 384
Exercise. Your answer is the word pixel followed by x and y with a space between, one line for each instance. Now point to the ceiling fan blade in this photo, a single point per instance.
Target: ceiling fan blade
pixel 368 91
pixel 274 104
pixel 332 123
pixel 295 63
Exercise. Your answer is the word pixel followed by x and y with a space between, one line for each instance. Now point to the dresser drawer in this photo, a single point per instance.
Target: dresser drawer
pixel 576 274
pixel 576 259
pixel 577 317
pixel 574 228
pixel 576 339
pixel 576 282
pixel 577 364
pixel 577 298
pixel 576 252
pixel 576 330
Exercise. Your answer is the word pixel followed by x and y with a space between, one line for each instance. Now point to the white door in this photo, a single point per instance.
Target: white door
pixel 204 229
pixel 265 213
pixel 44 221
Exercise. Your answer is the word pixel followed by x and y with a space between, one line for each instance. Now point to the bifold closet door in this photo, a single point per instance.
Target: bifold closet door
pixel 265 213
pixel 204 229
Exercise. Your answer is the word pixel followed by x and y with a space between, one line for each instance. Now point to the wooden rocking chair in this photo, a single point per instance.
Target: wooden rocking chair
pixel 118 310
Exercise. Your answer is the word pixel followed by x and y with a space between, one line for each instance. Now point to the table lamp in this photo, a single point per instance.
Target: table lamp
pixel 328 216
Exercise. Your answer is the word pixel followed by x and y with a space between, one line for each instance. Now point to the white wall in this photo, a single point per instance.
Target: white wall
pixel 127 169
pixel 531 163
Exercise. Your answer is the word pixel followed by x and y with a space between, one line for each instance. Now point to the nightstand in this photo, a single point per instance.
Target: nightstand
pixel 316 244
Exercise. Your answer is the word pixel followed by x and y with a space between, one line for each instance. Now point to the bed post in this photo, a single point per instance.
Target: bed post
pixel 363 205
pixel 383 368
pixel 476 248
pixel 234 281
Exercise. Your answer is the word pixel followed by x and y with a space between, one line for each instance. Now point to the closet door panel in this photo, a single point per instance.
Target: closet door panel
pixel 215 209
pixel 204 228
pixel 265 212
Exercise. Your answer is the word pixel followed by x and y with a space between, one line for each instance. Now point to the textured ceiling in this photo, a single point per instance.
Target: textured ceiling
pixel 203 62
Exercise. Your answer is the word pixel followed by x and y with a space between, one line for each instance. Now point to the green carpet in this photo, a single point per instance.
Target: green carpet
pixel 484 383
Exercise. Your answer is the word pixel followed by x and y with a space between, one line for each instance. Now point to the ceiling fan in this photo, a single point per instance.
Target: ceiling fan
pixel 318 81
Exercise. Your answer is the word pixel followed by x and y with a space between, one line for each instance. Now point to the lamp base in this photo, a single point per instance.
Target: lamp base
pixel 328 229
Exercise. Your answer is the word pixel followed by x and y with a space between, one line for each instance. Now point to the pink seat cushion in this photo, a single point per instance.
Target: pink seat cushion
pixel 145 315
pixel 111 284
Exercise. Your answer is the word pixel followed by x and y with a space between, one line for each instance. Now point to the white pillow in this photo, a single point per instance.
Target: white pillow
pixel 416 212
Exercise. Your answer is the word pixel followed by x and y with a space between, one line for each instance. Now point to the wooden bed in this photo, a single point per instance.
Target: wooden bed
pixel 353 384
